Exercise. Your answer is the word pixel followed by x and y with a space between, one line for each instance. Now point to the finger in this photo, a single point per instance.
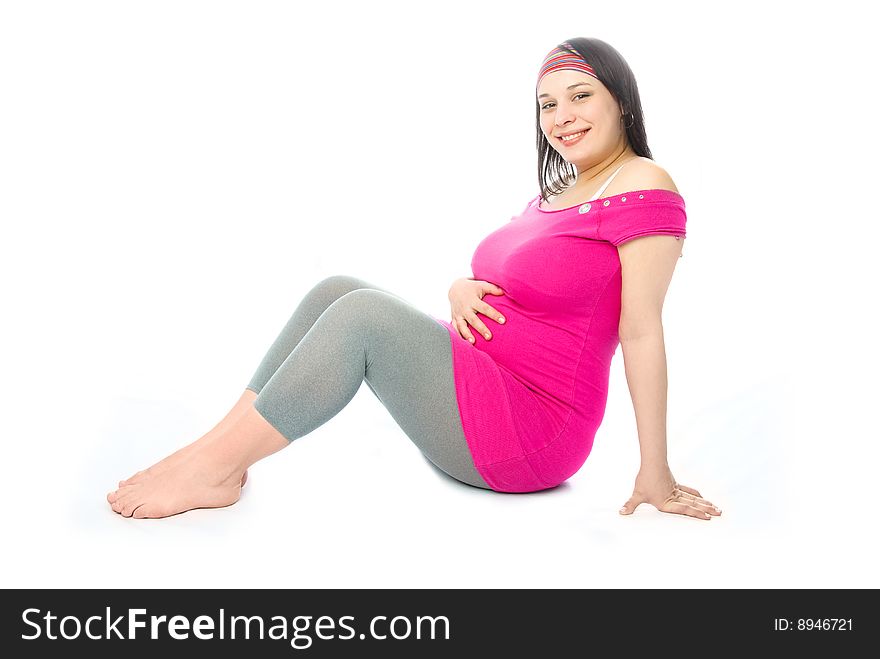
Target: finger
pixel 489 312
pixel 700 504
pixel 630 505
pixel 680 508
pixel 462 326
pixel 690 498
pixel 709 507
pixel 456 323
pixel 479 326
pixel 687 489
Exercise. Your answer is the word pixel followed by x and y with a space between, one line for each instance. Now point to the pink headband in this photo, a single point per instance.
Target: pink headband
pixel 559 59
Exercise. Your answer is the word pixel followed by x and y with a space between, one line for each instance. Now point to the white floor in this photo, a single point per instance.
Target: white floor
pixel 355 505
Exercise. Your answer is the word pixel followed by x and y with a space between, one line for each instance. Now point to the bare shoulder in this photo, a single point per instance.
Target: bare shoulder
pixel 641 174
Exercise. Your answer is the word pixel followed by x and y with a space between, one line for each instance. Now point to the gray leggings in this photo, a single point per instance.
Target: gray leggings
pixel 345 331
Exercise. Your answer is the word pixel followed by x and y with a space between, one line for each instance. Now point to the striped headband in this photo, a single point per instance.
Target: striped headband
pixel 558 59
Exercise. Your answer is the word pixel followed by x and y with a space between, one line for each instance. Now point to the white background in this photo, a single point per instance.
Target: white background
pixel 175 176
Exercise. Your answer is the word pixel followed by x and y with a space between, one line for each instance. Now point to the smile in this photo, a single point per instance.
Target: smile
pixel 573 139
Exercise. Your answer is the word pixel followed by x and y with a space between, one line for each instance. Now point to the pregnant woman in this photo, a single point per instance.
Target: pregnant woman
pixel 509 395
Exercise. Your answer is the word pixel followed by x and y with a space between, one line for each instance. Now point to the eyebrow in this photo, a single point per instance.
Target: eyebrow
pixel 569 87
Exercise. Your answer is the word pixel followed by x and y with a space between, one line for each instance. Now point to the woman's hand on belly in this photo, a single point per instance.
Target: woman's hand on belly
pixel 466 301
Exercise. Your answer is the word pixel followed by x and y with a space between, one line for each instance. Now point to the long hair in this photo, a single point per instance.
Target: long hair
pixel 613 72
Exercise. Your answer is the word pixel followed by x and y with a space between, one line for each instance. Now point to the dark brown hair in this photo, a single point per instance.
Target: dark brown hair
pixel 613 72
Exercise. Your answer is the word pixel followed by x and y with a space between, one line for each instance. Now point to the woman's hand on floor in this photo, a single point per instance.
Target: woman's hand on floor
pixel 658 487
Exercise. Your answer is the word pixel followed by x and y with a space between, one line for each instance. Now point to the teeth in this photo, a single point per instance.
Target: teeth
pixel 571 137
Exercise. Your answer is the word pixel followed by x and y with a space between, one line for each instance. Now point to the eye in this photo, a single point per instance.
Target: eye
pixel 544 107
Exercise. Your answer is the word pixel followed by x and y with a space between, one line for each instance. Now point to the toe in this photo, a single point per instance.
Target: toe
pixel 114 496
pixel 122 499
pixel 129 506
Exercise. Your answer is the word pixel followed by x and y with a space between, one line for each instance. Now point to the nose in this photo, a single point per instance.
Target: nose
pixel 563 117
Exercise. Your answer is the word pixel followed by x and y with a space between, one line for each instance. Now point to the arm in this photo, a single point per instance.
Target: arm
pixel 647 265
pixel 644 360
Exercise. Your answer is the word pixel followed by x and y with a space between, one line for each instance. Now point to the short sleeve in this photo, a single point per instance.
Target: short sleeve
pixel 532 202
pixel 622 224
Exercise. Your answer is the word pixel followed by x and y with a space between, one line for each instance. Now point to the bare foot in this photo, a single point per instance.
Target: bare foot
pixel 209 474
pixel 166 462
pixel 170 461
pixel 198 480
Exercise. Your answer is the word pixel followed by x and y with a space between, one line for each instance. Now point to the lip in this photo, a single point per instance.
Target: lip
pixel 572 142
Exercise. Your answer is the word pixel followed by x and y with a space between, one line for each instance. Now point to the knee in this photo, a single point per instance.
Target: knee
pixel 373 309
pixel 337 282
pixel 335 286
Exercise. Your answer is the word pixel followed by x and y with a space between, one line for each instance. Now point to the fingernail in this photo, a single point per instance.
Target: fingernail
pixel 487 335
pixel 622 510
pixel 471 339
pixel 501 320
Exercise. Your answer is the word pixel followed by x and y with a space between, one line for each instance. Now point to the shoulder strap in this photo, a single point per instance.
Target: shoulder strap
pixel 607 182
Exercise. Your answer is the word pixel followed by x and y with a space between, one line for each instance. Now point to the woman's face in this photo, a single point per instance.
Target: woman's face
pixel 588 106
